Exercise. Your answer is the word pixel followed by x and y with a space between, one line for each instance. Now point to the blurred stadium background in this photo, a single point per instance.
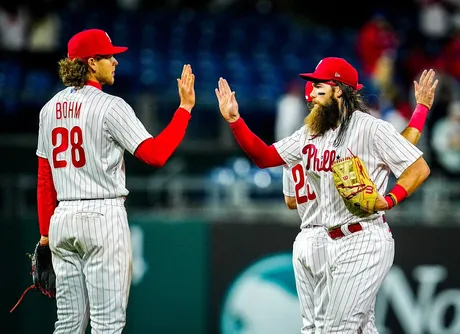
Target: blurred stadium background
pixel 203 221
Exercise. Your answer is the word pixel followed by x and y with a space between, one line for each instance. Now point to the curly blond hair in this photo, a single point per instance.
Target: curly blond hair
pixel 73 72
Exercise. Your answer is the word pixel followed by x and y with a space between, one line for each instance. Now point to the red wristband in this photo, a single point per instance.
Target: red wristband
pixel 418 118
pixel 397 194
pixel 390 200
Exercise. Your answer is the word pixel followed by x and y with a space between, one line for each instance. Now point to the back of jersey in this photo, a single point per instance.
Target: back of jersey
pixel 83 133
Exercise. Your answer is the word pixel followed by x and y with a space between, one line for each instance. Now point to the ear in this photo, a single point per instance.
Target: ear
pixel 338 92
pixel 92 64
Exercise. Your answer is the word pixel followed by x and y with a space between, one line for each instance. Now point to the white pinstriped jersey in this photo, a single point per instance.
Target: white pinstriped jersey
pixel 295 184
pixel 376 142
pixel 83 133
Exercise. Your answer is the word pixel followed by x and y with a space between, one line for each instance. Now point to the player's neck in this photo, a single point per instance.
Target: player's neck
pixel 94 83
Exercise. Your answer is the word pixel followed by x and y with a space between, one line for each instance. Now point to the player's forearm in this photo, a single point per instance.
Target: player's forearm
pixel 156 151
pixel 46 196
pixel 408 182
pixel 414 176
pixel 261 154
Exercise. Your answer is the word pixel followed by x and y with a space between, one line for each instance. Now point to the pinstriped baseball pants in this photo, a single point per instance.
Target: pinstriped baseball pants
pixel 309 261
pixel 92 258
pixel 309 258
pixel 357 264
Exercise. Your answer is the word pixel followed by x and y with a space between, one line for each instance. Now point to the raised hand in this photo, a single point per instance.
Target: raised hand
pixel 186 86
pixel 227 101
pixel 425 88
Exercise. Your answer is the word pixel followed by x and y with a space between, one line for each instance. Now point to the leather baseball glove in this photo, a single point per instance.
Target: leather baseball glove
pixel 354 185
pixel 43 276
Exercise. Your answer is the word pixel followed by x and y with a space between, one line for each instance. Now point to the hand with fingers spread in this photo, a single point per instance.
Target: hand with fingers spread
pixel 425 88
pixel 186 86
pixel 227 101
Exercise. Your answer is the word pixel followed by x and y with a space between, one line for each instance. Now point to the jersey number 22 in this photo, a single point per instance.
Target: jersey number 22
pixel 75 138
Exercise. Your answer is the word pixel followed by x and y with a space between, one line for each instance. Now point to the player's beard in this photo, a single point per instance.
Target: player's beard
pixel 323 117
pixel 105 78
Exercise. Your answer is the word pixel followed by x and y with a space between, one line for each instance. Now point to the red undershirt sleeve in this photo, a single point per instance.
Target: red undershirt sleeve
pixel 156 151
pixel 261 154
pixel 46 195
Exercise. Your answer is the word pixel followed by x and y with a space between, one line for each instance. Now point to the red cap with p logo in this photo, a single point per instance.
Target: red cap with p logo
pixel 333 68
pixel 92 42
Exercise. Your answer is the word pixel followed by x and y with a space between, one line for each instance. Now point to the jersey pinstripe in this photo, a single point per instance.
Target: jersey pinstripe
pixel 376 142
pixel 83 133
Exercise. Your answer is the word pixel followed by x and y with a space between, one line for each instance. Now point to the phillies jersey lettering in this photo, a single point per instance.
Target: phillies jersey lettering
pixel 376 142
pixel 323 163
pixel 83 133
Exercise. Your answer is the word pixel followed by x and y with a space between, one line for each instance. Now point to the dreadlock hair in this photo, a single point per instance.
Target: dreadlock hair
pixel 73 72
pixel 352 100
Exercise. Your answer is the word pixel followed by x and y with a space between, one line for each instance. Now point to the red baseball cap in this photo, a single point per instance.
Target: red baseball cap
pixel 333 68
pixel 308 90
pixel 92 42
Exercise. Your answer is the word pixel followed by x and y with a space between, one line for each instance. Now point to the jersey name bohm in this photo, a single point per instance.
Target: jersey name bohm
pixel 68 109
pixel 318 164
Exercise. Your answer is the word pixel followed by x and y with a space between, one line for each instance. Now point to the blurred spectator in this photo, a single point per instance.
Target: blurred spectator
pixel 383 77
pixel 414 61
pixel 398 112
pixel 45 26
pixel 448 58
pixel 446 140
pixel 14 25
pixel 376 39
pixel 291 111
pixel 434 23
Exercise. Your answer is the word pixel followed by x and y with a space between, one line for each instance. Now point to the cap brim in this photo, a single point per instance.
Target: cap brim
pixel 112 50
pixel 312 77
pixel 118 49
pixel 359 86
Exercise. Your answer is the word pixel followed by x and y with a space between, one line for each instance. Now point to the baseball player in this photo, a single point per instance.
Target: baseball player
pixel 309 249
pixel 83 134
pixel 361 249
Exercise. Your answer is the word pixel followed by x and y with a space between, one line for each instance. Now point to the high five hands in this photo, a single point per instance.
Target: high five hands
pixel 186 87
pixel 425 88
pixel 227 101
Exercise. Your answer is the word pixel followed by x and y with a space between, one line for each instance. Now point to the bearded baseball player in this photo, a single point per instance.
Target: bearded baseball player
pixel 310 246
pixel 83 134
pixel 347 156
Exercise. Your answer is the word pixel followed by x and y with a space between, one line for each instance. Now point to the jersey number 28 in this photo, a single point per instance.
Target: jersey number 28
pixel 298 176
pixel 75 138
